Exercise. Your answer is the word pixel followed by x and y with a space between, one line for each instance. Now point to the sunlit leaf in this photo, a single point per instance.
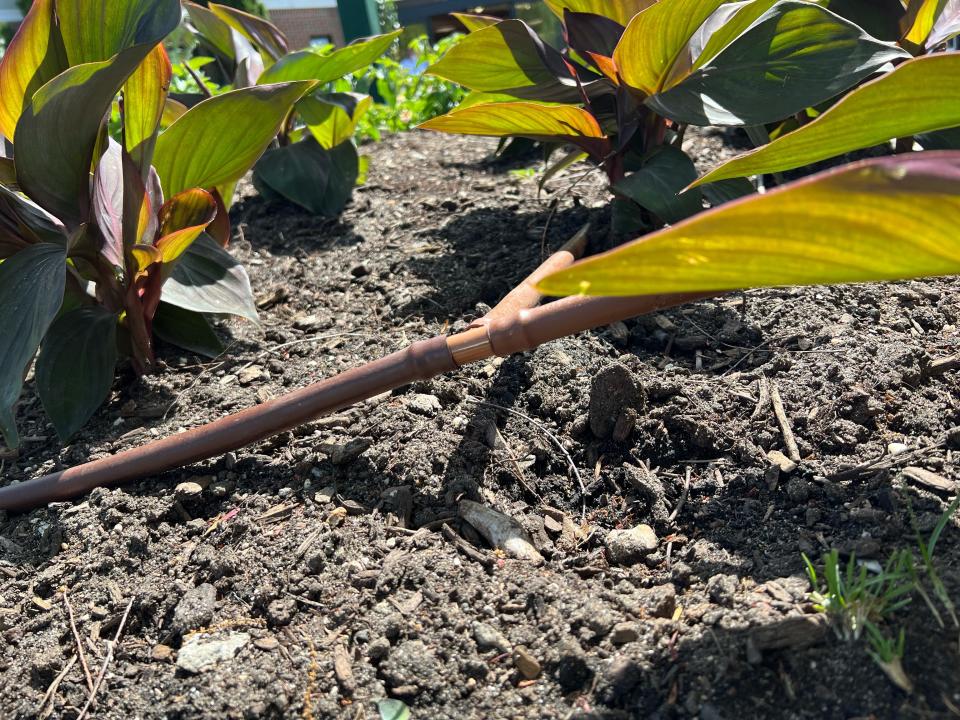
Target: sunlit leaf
pixel 551 123
pixel 655 40
pixel 262 33
pixel 476 22
pixel 34 57
pixel 144 101
pixel 214 30
pixel 724 26
pixel 75 367
pixel 919 96
pixel 220 139
pixel 96 30
pixel 794 56
pixel 314 178
pixel 31 292
pixel 311 65
pixel 333 118
pixel 621 11
pixel 182 218
pixel 885 219
pixel 172 111
pixel 208 279
pixel 57 133
pixel 921 15
pixel 509 58
pixel 947 25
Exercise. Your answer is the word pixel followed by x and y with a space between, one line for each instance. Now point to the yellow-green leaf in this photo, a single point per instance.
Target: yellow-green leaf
pixel 921 15
pixel 525 119
pixel 96 30
pixel 622 11
pixel 260 32
pixel 885 219
pixel 144 102
pixel 218 140
pixel 332 119
pixel 311 65
pixel 474 22
pixel 34 57
pixel 656 40
pixel 182 218
pixel 919 96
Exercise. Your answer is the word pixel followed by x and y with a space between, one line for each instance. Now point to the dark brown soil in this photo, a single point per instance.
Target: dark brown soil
pixel 330 586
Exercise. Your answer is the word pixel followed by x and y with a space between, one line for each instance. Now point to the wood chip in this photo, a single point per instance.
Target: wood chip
pixel 943 365
pixel 785 464
pixel 929 479
pixel 343 669
pixel 793 452
pixel 792 632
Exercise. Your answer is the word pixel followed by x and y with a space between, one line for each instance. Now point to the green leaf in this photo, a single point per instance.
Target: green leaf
pixel 723 191
pixel 33 58
pixel 795 56
pixel 215 32
pixel 509 58
pixel 186 329
pixel 655 41
pixel 310 65
pixel 31 292
pixel 657 184
pixel 96 30
pixel 57 134
pixel 919 96
pixel 144 99
pixel 260 32
pixel 218 140
pixel 304 173
pixel 948 139
pixel 724 26
pixel 880 18
pixel 75 367
pixel 621 11
pixel 886 219
pixel 393 710
pixel 474 22
pixel 549 123
pixel 182 219
pixel 22 223
pixel 208 279
pixel 332 119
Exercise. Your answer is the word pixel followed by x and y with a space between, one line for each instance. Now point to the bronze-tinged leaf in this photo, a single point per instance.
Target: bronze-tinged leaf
pixel 262 33
pixel 144 103
pixel 182 218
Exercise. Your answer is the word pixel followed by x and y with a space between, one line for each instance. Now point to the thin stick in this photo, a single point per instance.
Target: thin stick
pixel 764 397
pixel 106 661
pixel 76 636
pixel 793 452
pixel 546 431
pixel 43 712
pixel 683 496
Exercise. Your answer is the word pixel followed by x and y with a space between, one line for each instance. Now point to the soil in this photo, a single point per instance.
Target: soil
pixel 327 569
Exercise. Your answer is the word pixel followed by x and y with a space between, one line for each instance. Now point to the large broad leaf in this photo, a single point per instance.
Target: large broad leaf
pixel 57 133
pixel 794 56
pixel 31 292
pixel 34 57
pixel 75 367
pixel 657 185
pixel 96 30
pixel 509 58
pixel 214 31
pixel 207 279
pixel 591 34
pixel 186 329
pixel 144 100
pixel 304 173
pixel 885 219
pixel 549 123
pixel 656 39
pixel 724 26
pixel 621 11
pixel 220 139
pixel 333 118
pixel 919 96
pixel 22 223
pixel 310 65
pixel 262 33
pixel 474 22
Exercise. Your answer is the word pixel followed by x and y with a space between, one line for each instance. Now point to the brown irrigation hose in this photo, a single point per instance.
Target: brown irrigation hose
pixel 498 334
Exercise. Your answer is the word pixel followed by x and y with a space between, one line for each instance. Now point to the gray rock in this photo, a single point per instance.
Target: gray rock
pixel 627 547
pixel 344 454
pixel 423 404
pixel 526 663
pixel 199 654
pixel 488 637
pixel 660 601
pixel 281 611
pixel 625 632
pixel 195 609
pixel 722 589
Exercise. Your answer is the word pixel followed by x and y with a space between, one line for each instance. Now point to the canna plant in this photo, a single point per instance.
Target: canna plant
pixel 105 244
pixel 634 74
pixel 315 163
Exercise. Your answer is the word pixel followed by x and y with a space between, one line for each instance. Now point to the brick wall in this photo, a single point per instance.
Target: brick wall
pixel 301 25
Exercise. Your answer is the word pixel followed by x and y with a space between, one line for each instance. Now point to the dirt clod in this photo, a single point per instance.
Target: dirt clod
pixel 626 547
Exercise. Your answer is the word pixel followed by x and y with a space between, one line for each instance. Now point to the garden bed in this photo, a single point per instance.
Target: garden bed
pixel 318 564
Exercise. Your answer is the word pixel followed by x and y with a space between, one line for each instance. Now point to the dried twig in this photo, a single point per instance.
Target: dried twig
pixel 683 496
pixel 793 452
pixel 106 661
pixel 466 548
pixel 556 441
pixel 76 637
pixel 44 711
pixel 764 400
